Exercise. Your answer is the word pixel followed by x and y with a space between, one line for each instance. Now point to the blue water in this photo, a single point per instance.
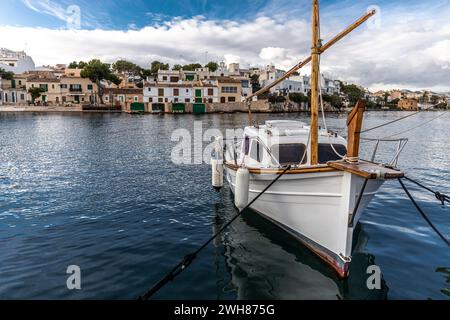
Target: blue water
pixel 99 191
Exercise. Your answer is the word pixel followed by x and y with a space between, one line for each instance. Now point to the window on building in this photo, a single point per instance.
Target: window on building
pixel 44 86
pixel 187 100
pixel 22 96
pixel 136 98
pixel 90 87
pixel 161 92
pixel 176 92
pixel 231 99
pixel 63 86
pixel 223 100
pixel 175 99
pixel 210 92
pixel 210 100
pixel 164 78
pixel 150 99
pixel 289 153
pixel 229 89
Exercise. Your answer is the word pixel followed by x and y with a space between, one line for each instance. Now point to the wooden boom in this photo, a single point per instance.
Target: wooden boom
pixel 325 47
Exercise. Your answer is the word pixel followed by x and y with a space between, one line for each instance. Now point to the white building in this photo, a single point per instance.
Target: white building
pixel 188 92
pixel 17 62
pixel 10 94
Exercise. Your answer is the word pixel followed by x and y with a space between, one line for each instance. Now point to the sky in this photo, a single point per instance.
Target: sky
pixel 406 45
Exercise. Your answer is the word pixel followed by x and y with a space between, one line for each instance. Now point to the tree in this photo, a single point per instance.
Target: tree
pixel 274 98
pixel 177 67
pixel 298 97
pixel 334 100
pixel 35 92
pixel 156 66
pixel 6 75
pixel 77 65
pixel 97 72
pixel 145 73
pixel 192 66
pixel 126 67
pixel 353 92
pixel 254 80
pixel 212 66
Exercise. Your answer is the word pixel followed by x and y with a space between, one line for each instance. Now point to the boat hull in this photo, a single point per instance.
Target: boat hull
pixel 316 208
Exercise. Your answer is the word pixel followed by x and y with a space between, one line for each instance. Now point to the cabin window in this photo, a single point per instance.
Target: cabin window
pixel 326 152
pixel 246 145
pixel 256 152
pixel 290 153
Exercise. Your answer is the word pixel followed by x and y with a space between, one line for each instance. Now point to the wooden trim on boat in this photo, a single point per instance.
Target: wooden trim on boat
pixel 367 170
pixel 363 169
pixel 323 168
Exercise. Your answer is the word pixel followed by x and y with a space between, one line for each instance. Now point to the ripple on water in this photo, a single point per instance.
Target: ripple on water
pixel 99 191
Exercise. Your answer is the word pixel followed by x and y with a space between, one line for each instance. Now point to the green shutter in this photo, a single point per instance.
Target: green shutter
pixel 137 107
pixel 158 107
pixel 199 108
pixel 178 108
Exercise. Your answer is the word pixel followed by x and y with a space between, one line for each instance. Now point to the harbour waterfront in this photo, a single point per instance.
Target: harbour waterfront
pixel 100 191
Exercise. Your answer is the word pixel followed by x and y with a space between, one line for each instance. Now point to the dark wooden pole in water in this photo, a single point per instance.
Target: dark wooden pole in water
pixel 354 124
pixel 315 53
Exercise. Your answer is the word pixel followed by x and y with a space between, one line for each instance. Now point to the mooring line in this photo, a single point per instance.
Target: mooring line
pixel 188 259
pixel 443 198
pixel 422 212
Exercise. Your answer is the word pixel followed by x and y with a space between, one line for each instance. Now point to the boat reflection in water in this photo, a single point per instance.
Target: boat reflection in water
pixel 265 262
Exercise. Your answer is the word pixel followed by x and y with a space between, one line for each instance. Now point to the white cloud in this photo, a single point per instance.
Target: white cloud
pixel 271 53
pixel 47 7
pixel 405 52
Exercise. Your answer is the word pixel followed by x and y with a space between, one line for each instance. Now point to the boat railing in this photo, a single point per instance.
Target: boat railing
pixel 401 144
pixel 235 145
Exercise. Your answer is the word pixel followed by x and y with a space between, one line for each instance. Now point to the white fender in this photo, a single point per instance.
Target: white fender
pixel 242 188
pixel 217 173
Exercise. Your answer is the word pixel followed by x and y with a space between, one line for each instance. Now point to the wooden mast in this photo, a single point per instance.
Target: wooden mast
pixel 315 52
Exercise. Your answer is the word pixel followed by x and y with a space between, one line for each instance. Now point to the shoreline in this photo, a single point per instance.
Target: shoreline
pixel 79 109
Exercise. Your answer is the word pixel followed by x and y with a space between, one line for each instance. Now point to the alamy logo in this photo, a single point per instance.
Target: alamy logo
pixel 74 280
pixel 374 280
pixel 73 19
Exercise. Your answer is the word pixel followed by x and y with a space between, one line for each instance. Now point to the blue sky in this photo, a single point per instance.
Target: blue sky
pixel 406 46
pixel 115 14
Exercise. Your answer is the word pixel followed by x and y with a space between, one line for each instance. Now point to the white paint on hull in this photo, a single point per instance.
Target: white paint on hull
pixel 316 206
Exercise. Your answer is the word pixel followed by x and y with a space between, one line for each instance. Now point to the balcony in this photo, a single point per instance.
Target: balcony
pixel 76 89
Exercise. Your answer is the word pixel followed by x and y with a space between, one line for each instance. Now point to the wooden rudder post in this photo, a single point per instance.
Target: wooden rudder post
pixel 354 125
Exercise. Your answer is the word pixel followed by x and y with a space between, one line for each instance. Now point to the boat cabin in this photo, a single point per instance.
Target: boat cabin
pixel 283 142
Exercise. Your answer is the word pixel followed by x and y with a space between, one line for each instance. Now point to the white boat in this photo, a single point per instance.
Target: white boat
pixel 324 187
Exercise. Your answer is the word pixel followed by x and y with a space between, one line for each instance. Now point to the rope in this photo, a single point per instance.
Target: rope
pixel 396 120
pixel 188 259
pixel 441 197
pixel 423 213
pixel 344 157
pixel 416 127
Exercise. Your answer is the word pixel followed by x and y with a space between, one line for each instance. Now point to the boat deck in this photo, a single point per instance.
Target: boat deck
pixel 367 170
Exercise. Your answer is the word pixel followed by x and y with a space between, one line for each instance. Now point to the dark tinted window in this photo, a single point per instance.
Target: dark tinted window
pixel 256 153
pixel 246 145
pixel 291 153
pixel 326 153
